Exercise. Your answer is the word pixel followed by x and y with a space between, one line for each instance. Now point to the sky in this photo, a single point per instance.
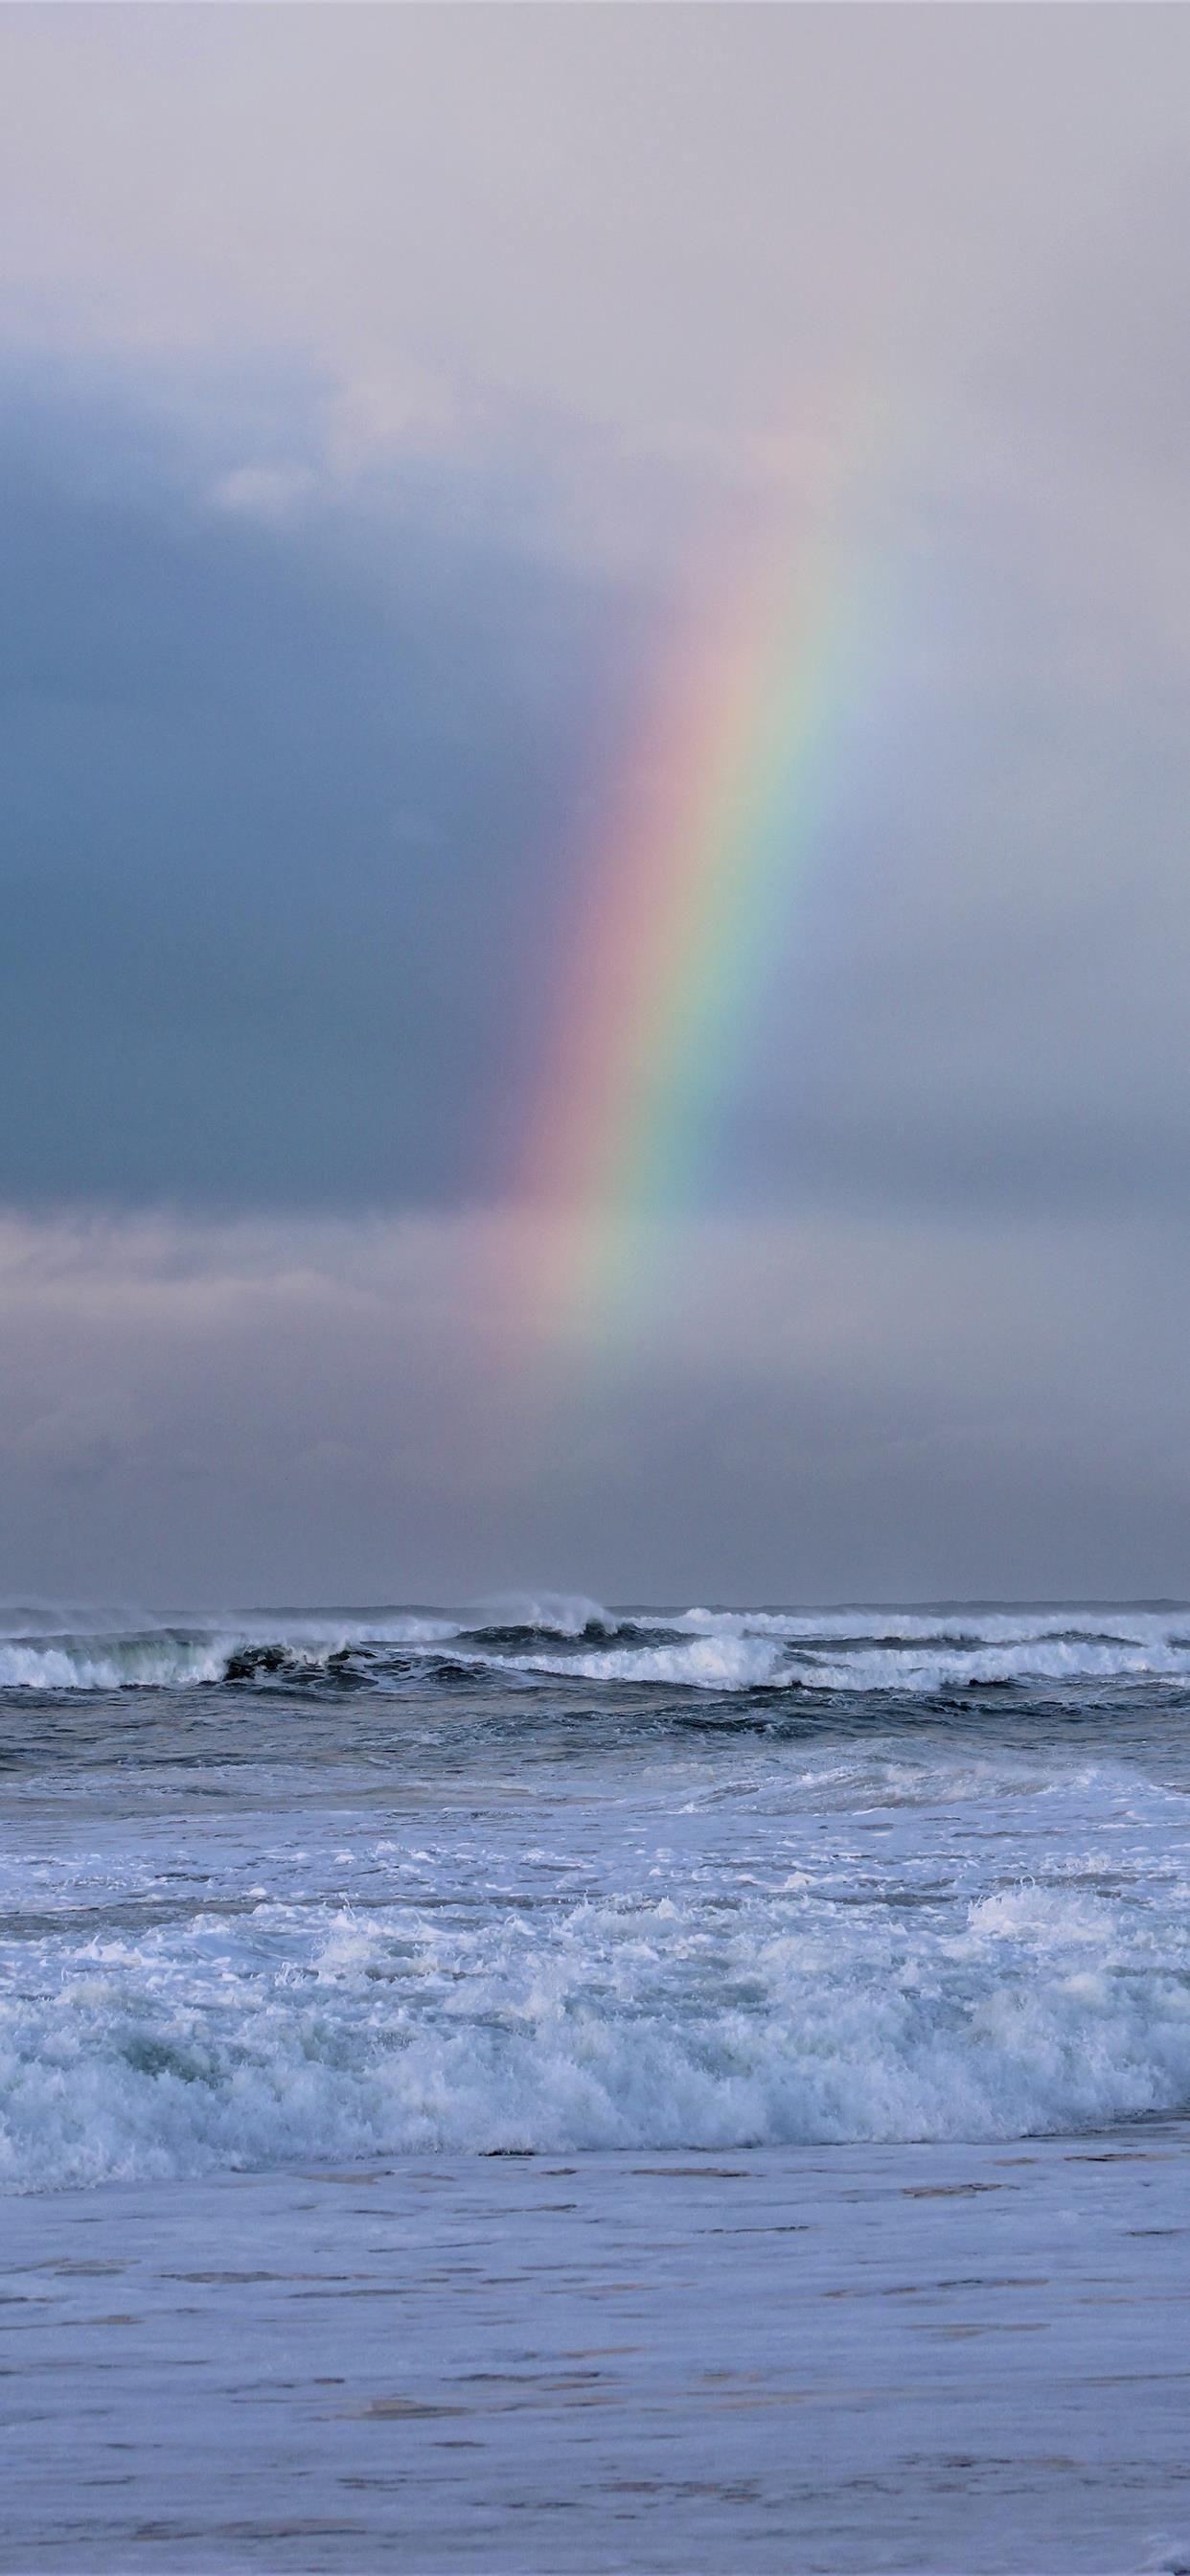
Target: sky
pixel 593 669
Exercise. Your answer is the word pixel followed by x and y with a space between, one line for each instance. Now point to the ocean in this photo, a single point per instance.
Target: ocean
pixel 558 2087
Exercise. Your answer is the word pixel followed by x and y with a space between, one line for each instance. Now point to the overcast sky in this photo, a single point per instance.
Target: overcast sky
pixel 388 392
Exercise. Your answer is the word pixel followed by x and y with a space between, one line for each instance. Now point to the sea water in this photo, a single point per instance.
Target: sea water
pixel 379 1989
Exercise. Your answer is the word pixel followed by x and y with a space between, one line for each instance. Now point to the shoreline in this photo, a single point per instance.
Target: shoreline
pixel 850 2358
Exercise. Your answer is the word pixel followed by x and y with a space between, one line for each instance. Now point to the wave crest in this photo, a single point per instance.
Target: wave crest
pixel 920 1654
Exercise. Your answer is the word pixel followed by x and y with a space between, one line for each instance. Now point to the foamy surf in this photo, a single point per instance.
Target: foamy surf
pixel 549 1876
pixel 715 2018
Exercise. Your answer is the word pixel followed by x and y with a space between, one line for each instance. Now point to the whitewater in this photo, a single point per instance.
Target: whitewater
pixel 550 1877
pixel 552 2087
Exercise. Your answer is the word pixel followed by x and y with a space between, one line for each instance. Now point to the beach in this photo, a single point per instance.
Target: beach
pixel 881 2358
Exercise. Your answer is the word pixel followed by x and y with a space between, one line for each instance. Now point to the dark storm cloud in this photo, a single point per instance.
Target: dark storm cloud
pixel 321 660
pixel 285 801
pixel 305 776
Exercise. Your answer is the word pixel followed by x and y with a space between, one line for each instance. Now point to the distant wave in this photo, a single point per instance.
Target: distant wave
pixel 178 1658
pixel 577 1641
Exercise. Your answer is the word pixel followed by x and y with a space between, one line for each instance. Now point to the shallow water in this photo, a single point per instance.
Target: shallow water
pixel 842 2360
pixel 862 1906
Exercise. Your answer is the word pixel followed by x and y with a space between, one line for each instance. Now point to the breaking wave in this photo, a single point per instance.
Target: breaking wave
pixel 424 1921
pixel 178 1658
pixel 576 1640
pixel 645 2024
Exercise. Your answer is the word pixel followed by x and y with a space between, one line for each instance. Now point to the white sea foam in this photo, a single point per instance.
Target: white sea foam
pixel 100 2084
pixel 1034 1659
pixel 753 1984
pixel 925 1651
pixel 707 1663
pixel 120 1663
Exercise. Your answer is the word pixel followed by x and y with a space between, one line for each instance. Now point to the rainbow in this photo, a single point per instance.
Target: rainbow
pixel 714 826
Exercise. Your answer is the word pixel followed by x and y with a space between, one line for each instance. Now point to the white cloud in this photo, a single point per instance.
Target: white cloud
pixel 674 222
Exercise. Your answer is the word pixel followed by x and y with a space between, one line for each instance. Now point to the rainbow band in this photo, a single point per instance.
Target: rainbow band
pixel 714 831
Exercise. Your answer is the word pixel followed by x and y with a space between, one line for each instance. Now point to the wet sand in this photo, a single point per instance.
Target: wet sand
pixel 842 2359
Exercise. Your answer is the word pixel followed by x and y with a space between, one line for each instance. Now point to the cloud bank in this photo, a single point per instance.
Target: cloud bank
pixel 200 1415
